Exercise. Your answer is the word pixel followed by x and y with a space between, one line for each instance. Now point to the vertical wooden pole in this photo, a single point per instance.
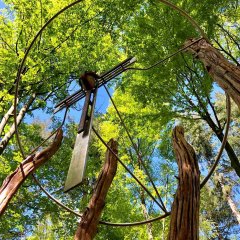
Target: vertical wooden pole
pixel 226 74
pixel 184 224
pixel 87 228
pixel 13 182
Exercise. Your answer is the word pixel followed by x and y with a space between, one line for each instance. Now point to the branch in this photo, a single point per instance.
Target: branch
pixel 9 134
pixel 12 183
pixel 5 119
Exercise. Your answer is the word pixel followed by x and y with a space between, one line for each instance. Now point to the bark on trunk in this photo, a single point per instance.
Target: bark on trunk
pixel 226 74
pixel 5 118
pixel 12 183
pixel 20 116
pixel 231 203
pixel 184 224
pixel 235 164
pixel 146 216
pixel 87 228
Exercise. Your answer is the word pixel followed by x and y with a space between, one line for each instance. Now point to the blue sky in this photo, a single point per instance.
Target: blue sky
pixel 101 104
pixel 2 5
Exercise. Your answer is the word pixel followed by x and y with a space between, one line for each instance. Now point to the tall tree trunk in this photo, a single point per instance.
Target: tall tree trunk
pixel 145 214
pixel 227 195
pixel 12 183
pixel 5 118
pixel 184 224
pixel 235 164
pixel 20 116
pixel 87 228
pixel 226 74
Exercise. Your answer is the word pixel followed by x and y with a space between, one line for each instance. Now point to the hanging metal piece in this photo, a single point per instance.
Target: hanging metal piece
pixel 80 152
pixel 90 82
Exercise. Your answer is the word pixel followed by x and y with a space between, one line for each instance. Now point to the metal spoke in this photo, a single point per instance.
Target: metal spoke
pixel 128 170
pixel 136 150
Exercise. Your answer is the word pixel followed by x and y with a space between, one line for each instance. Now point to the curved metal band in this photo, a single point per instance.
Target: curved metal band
pixel 16 95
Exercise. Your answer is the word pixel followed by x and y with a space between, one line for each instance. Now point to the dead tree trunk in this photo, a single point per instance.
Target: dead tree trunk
pixel 184 224
pixel 20 116
pixel 226 74
pixel 88 225
pixel 12 183
pixel 145 214
pixel 5 118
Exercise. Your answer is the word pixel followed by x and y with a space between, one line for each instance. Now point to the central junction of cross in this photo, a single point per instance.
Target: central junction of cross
pixel 90 82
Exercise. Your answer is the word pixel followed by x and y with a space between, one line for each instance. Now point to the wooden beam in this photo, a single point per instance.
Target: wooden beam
pixel 87 228
pixel 12 182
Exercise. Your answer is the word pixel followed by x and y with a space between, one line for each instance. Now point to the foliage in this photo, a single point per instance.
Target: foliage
pixel 96 35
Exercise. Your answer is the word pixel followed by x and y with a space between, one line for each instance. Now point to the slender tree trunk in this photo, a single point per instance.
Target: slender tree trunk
pixel 231 203
pixel 87 228
pixel 235 164
pixel 5 118
pixel 9 134
pixel 184 224
pixel 145 214
pixel 226 74
pixel 12 183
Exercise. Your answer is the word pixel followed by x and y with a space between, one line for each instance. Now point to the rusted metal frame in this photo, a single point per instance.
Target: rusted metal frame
pixel 127 169
pixel 84 116
pixel 70 100
pixel 136 150
pixel 103 79
pixel 60 204
pixel 166 58
pixel 79 157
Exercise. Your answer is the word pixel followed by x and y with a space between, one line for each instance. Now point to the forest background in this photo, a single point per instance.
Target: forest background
pixel 97 35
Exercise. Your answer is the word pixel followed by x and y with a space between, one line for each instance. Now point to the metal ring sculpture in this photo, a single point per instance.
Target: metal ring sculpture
pixel 18 78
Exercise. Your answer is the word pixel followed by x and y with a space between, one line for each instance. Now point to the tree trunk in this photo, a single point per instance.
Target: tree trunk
pixel 87 228
pixel 145 214
pixel 20 116
pixel 5 118
pixel 235 164
pixel 226 74
pixel 184 224
pixel 231 203
pixel 12 183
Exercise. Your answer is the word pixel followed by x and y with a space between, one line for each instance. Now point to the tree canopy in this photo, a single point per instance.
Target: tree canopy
pixel 151 98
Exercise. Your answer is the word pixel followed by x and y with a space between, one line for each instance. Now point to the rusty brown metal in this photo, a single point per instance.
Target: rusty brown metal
pixel 100 81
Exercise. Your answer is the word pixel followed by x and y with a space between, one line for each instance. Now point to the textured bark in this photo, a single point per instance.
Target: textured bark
pixel 87 228
pixel 146 216
pixel 226 74
pixel 12 183
pixel 5 118
pixel 230 201
pixel 20 116
pixel 184 224
pixel 235 164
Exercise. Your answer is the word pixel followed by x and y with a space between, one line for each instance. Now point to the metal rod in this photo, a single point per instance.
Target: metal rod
pixel 136 150
pixel 133 176
pixel 228 106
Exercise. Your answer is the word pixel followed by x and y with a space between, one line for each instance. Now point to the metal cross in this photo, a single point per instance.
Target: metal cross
pixel 90 82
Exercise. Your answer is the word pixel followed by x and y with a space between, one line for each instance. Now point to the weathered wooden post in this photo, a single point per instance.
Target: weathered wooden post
pixel 223 72
pixel 12 182
pixel 184 224
pixel 88 225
